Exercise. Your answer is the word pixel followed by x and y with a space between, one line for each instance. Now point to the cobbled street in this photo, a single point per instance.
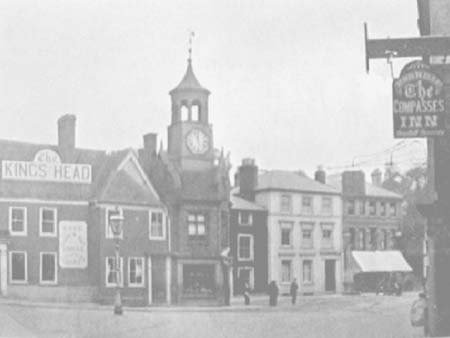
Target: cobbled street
pixel 327 316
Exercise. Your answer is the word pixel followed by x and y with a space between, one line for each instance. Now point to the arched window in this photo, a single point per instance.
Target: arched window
pixel 184 113
pixel 195 112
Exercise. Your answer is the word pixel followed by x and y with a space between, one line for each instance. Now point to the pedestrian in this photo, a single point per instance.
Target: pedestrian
pixel 293 291
pixel 246 293
pixel 273 293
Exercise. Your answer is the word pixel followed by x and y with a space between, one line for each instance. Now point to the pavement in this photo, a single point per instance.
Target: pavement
pixel 314 316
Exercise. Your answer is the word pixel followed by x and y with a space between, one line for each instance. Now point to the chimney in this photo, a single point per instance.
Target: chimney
pixel 248 178
pixel 376 177
pixel 150 142
pixel 320 175
pixel 66 132
pixel 353 183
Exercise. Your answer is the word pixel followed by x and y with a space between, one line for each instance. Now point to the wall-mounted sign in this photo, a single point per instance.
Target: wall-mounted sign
pixel 73 244
pixel 418 102
pixel 46 166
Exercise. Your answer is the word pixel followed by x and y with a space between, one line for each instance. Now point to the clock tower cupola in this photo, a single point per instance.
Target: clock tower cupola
pixel 190 137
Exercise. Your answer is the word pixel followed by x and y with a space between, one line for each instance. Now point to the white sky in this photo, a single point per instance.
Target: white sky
pixel 288 79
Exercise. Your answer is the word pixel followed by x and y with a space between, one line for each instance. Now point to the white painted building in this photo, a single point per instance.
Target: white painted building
pixel 304 231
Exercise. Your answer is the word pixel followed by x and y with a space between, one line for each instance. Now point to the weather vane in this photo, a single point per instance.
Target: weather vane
pixel 191 37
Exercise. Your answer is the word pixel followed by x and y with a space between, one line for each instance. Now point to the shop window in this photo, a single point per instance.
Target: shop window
pixel 286 203
pixel 245 218
pixel 286 271
pixel 327 205
pixel 135 271
pixel 307 275
pixel 245 247
pixel 198 280
pixel 18 267
pixel 47 222
pixel 110 212
pixel 196 225
pixel 113 273
pixel 350 207
pixel 307 235
pixel 49 268
pixel 18 221
pixel 157 225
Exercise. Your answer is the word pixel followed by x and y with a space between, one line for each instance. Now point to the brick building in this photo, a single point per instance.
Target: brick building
pixel 371 219
pixel 192 180
pixel 248 232
pixel 55 240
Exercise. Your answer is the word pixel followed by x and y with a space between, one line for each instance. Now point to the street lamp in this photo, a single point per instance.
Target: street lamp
pixel 116 224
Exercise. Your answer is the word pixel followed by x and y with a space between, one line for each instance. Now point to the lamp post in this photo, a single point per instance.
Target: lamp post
pixel 116 224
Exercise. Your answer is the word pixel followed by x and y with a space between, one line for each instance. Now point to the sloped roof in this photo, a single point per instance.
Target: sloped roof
pixel 242 204
pixel 108 183
pixel 189 81
pixel 288 180
pixel 371 190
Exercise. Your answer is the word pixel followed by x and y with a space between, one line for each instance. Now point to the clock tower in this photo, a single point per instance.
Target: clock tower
pixel 190 137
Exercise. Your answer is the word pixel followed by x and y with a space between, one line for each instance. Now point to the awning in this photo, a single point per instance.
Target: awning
pixel 381 261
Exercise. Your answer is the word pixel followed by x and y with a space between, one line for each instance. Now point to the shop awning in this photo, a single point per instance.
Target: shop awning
pixel 381 261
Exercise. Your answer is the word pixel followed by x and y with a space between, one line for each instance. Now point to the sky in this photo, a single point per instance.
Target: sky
pixel 287 78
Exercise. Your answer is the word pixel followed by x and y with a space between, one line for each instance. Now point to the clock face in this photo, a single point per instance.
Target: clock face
pixel 197 142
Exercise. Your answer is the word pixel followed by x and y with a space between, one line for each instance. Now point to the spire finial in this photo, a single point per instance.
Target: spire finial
pixel 191 37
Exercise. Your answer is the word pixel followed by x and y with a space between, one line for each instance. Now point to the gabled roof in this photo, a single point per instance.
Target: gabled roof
pixel 189 81
pixel 292 181
pixel 371 190
pixel 116 176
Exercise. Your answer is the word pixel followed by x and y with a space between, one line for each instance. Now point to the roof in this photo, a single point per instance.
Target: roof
pixel 112 180
pixel 242 204
pixel 288 180
pixel 381 261
pixel 371 190
pixel 189 81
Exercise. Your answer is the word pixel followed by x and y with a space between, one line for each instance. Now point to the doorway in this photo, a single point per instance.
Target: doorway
pixel 330 275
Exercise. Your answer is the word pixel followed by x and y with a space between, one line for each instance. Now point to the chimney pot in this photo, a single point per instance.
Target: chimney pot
pixel 248 178
pixel 66 132
pixel 150 142
pixel 320 175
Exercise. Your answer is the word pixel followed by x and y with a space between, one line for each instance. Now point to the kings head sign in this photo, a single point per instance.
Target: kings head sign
pixel 46 166
pixel 419 105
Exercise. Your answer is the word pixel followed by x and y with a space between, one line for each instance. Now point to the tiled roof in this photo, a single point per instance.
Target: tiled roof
pixel 104 176
pixel 288 180
pixel 371 190
pixel 242 204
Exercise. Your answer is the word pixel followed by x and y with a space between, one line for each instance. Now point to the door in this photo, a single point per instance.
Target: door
pixel 330 275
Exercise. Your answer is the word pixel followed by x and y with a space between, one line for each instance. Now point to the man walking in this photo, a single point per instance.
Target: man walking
pixel 293 291
pixel 246 293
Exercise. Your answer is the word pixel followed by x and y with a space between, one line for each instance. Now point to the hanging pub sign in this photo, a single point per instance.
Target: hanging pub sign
pixel 418 102
pixel 46 166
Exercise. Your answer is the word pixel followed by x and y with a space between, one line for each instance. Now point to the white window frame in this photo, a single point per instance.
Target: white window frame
pixel 308 210
pixel 196 222
pixel 110 285
pixel 330 211
pixel 252 275
pixel 290 270
pixel 327 242
pixel 250 218
pixel 251 248
pixel 290 227
pixel 25 222
pixel 108 231
pixel 164 225
pixel 11 281
pixel 131 284
pixel 309 243
pixel 289 196
pixel 308 282
pixel 55 222
pixel 52 253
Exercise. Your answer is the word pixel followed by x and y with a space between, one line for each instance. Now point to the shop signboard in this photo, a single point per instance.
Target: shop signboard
pixel 73 244
pixel 418 102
